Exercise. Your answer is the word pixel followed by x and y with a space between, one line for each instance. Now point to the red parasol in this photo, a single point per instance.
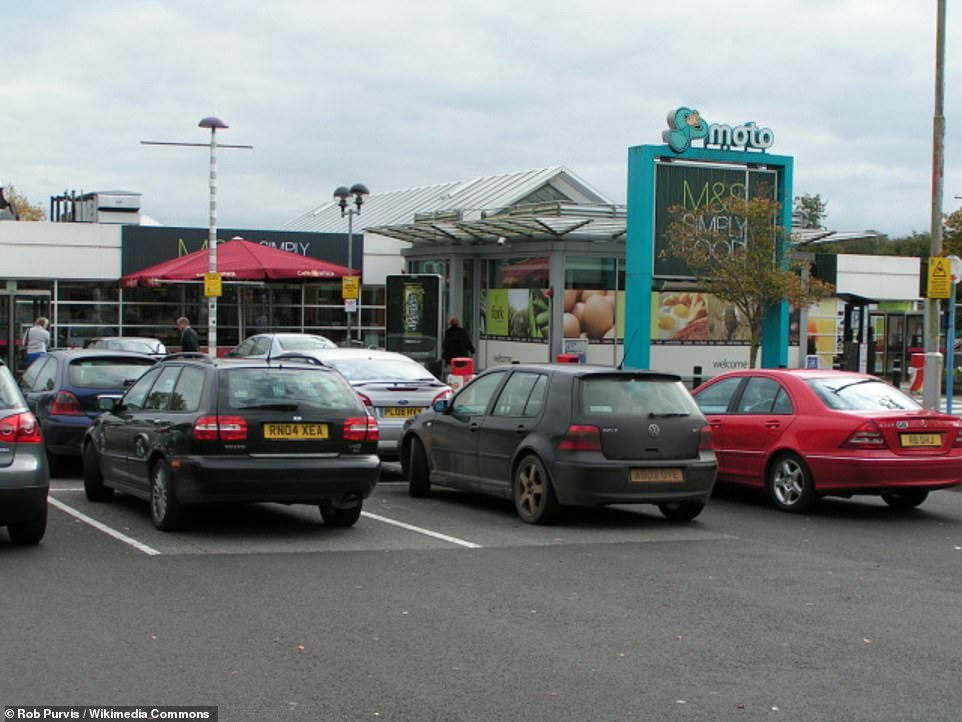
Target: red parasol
pixel 238 260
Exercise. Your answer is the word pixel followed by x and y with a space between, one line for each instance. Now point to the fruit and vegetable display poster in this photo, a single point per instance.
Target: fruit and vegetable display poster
pixel 516 314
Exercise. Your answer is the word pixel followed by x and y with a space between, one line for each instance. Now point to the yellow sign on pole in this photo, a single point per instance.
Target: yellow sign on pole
pixel 939 277
pixel 350 286
pixel 212 285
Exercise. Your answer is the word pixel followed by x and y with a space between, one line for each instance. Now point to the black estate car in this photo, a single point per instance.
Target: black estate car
pixel 552 435
pixel 195 429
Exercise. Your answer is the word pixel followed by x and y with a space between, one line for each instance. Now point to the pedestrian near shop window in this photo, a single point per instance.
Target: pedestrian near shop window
pixel 188 336
pixel 36 340
pixel 456 343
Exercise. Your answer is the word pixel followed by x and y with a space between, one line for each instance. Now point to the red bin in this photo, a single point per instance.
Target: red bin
pixel 567 358
pixel 462 366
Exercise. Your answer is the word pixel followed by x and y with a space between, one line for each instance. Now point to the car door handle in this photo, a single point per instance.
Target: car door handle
pixel 520 429
pixel 161 424
pixel 474 426
pixel 772 424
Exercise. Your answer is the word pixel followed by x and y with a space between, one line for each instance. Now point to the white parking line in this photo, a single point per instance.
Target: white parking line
pixel 139 546
pixel 420 530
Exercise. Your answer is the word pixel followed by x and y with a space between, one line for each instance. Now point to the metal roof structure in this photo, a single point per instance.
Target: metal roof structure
pixel 471 199
pixel 551 221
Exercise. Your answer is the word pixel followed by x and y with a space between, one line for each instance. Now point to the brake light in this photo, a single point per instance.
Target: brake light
pixel 220 428
pixel 361 428
pixel 66 404
pixel 581 438
pixel 443 396
pixel 866 436
pixel 706 440
pixel 20 429
pixel 958 439
pixel 364 399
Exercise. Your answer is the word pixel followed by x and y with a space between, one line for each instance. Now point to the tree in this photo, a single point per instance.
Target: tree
pixel 952 234
pixel 812 209
pixel 25 210
pixel 742 269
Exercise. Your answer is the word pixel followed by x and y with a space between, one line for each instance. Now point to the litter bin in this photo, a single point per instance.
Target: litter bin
pixel 461 371
pixel 567 358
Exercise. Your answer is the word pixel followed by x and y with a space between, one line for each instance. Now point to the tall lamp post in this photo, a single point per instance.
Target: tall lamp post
pixel 359 192
pixel 212 286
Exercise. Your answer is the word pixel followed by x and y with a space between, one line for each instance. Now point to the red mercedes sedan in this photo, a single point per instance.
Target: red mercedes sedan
pixel 806 433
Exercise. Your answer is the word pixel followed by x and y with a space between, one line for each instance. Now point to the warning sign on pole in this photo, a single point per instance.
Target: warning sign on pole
pixel 939 277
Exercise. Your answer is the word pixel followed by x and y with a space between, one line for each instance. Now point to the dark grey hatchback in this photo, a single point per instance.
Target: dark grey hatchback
pixel 555 435
pixel 194 430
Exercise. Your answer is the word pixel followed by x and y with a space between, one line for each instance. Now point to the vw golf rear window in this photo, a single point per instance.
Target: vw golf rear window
pixel 250 388
pixel 106 373
pixel 627 395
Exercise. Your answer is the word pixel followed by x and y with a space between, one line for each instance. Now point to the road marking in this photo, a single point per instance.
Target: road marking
pixel 139 546
pixel 421 530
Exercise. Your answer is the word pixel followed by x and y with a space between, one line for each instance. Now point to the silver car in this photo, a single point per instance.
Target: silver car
pixel 269 345
pixel 393 386
pixel 24 475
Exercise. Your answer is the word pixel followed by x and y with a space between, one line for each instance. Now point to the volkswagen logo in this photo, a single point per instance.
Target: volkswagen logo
pixel 653 430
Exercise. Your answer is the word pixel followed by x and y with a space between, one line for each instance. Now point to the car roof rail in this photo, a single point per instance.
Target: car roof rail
pixel 189 356
pixel 301 357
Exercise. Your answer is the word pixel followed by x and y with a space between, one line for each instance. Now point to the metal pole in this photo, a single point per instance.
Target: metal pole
pixel 950 352
pixel 212 247
pixel 931 382
pixel 350 262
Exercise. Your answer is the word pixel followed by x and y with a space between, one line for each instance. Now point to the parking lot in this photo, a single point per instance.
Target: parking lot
pixel 451 608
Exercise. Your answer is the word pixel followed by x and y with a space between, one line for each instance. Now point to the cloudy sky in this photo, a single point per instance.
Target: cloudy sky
pixel 397 95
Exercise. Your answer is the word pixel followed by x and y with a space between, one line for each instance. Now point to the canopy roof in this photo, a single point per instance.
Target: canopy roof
pixel 239 260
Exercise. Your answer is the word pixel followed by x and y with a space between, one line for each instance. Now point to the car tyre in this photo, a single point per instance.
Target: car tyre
pixel 419 476
pixel 534 495
pixel 340 516
pixel 908 499
pixel 94 487
pixel 165 511
pixel 681 510
pixel 790 484
pixel 29 532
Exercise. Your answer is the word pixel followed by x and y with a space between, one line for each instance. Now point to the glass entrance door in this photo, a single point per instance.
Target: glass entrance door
pixel 18 310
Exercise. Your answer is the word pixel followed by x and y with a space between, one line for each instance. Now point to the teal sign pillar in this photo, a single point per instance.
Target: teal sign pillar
pixel 651 169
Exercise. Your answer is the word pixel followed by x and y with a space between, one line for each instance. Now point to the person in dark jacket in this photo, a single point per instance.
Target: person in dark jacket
pixel 456 341
pixel 188 336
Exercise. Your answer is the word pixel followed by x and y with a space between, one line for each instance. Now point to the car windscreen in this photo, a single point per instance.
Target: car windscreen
pixel 856 393
pixel 380 369
pixel 305 389
pixel 106 372
pixel 304 343
pixel 635 395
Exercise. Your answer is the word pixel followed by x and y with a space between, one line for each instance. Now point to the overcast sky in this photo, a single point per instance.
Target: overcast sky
pixel 397 95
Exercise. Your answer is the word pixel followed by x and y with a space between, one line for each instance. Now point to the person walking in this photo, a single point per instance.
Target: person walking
pixel 456 343
pixel 36 340
pixel 188 336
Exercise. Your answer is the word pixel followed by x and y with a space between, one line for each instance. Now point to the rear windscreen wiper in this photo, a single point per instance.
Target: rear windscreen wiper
pixel 275 406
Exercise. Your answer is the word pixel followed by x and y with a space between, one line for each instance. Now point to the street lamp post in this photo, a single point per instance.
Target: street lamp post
pixel 212 294
pixel 359 192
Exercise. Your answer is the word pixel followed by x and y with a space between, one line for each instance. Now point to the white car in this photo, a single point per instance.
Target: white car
pixel 264 345
pixel 393 386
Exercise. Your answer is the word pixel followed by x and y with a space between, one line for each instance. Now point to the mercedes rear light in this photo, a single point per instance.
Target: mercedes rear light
pixel 20 428
pixel 66 404
pixel 866 436
pixel 361 428
pixel 581 437
pixel 220 428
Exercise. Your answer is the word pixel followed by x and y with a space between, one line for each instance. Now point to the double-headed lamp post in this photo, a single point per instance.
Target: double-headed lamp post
pixel 359 192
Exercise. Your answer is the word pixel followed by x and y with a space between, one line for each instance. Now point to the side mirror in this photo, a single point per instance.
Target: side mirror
pixel 108 403
pixel 441 406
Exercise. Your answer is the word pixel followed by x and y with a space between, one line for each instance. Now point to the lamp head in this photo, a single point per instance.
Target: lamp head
pixel 212 122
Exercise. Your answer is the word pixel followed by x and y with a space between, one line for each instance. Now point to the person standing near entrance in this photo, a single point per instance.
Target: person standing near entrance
pixel 36 340
pixel 188 336
pixel 456 343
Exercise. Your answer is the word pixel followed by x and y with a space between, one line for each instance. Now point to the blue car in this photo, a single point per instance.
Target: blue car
pixel 63 389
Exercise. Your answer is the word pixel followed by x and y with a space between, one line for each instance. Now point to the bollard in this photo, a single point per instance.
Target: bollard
pixel 696 377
